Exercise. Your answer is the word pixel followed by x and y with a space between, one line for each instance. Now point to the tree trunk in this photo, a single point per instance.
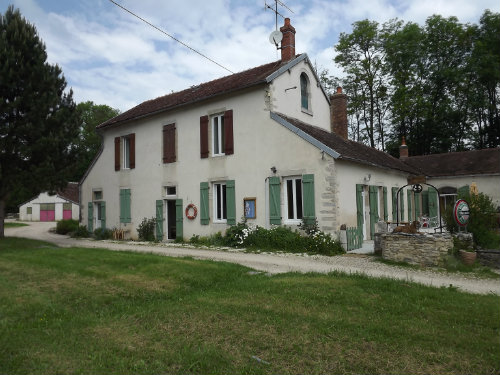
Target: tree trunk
pixel 2 217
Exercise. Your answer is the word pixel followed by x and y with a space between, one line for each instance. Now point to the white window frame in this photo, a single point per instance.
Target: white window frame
pixel 219 187
pixel 217 123
pixel 295 219
pixel 126 152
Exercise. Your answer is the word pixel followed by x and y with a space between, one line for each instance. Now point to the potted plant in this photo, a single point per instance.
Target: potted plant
pixel 465 246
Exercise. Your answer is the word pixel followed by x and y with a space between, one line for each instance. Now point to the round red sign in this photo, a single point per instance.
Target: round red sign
pixel 461 212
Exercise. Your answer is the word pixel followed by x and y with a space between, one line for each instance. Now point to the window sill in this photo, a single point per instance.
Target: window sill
pixel 292 221
pixel 217 155
pixel 306 111
pixel 220 221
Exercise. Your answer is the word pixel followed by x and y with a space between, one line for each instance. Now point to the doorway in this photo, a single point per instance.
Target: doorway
pixel 170 222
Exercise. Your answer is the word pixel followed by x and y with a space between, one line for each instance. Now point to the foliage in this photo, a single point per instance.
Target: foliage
pixel 437 84
pixel 81 232
pixel 146 229
pixel 66 226
pixel 103 234
pixel 89 116
pixel 213 240
pixel 482 221
pixel 129 313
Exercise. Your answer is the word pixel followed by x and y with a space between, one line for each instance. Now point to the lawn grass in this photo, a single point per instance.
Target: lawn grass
pixel 12 224
pixel 89 311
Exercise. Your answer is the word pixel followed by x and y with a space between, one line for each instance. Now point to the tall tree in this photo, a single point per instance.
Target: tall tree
pixel 38 122
pixel 89 115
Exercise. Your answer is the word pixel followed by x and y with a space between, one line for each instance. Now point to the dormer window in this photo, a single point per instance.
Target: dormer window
pixel 304 92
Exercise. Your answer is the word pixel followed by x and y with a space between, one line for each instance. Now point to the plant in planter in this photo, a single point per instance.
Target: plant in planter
pixel 464 247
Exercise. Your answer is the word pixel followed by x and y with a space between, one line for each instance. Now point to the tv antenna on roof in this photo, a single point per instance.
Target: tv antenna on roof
pixel 276 36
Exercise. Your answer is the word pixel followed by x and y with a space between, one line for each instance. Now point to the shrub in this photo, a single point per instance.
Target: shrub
pixel 66 226
pixel 146 229
pixel 103 234
pixel 80 232
pixel 482 222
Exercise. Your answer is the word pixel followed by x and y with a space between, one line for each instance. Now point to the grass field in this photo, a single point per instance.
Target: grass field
pixel 89 311
pixel 11 224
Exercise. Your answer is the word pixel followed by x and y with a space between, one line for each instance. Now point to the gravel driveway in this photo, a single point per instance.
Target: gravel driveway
pixel 273 263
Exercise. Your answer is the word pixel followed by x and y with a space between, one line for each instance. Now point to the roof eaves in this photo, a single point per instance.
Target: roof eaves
pixel 285 67
pixel 334 154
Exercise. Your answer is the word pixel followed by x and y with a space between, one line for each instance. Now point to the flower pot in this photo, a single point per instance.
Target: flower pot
pixel 468 257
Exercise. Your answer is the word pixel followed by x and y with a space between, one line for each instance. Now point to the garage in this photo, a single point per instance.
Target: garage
pixel 47 212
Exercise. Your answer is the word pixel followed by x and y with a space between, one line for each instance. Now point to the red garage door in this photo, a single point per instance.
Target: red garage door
pixel 67 214
pixel 47 212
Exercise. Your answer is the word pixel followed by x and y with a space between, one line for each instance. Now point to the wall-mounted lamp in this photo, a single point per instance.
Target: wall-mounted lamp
pixel 273 169
pixel 367 178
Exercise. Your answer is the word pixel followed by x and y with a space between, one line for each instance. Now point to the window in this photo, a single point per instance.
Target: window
pixel 66 206
pixel 221 134
pixel 304 91
pixel 29 210
pixel 218 139
pixel 170 190
pixel 293 197
pixel 97 195
pixel 220 205
pixel 125 152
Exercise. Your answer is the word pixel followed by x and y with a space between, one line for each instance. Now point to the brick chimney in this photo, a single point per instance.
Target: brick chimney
pixel 338 113
pixel 403 149
pixel 288 41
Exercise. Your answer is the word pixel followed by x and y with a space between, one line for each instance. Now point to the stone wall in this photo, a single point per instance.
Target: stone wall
pixel 418 249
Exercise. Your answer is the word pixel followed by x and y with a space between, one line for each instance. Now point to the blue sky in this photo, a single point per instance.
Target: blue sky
pixel 110 57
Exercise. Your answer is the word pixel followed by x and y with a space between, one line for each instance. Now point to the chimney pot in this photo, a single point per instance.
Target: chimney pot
pixel 403 149
pixel 338 113
pixel 288 41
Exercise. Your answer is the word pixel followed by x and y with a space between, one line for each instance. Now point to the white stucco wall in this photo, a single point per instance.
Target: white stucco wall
pixel 287 100
pixel 46 198
pixel 489 185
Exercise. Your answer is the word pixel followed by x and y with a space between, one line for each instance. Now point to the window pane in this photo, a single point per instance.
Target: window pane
pixel 303 92
pixel 217 202
pixel 126 152
pixel 298 186
pixel 289 191
pixel 216 135
pixel 224 206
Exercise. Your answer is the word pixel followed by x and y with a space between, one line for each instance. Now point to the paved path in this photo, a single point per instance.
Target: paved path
pixel 274 263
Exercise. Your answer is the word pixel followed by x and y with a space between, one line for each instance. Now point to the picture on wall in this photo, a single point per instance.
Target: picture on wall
pixel 250 208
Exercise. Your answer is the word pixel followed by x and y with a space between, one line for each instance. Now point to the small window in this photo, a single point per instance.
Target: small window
pixel 97 195
pixel 304 91
pixel 218 141
pixel 293 198
pixel 66 206
pixel 29 210
pixel 220 206
pixel 126 153
pixel 170 190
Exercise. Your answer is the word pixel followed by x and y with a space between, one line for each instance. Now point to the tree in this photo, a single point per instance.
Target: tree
pixel 90 115
pixel 38 122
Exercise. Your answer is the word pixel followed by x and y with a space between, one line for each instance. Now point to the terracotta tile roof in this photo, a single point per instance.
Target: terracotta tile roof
pixel 485 161
pixel 70 192
pixel 350 150
pixel 198 93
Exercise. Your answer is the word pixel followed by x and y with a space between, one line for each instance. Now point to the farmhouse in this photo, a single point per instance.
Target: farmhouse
pixel 267 144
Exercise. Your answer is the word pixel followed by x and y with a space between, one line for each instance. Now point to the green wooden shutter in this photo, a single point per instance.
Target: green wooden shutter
pixel 401 205
pixel 125 216
pixel 159 220
pixel 90 220
pixel 179 217
pixel 417 206
pixel 204 215
pixel 386 213
pixel 230 202
pixel 103 215
pixel 394 192
pixel 373 208
pixel 463 192
pixel 274 201
pixel 309 211
pixel 425 202
pixel 359 206
pixel 410 211
pixel 433 203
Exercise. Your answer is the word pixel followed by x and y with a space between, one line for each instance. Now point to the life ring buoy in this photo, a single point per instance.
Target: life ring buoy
pixel 188 209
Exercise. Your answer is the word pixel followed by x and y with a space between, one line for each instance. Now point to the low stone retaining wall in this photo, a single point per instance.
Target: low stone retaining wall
pixel 490 258
pixel 418 249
